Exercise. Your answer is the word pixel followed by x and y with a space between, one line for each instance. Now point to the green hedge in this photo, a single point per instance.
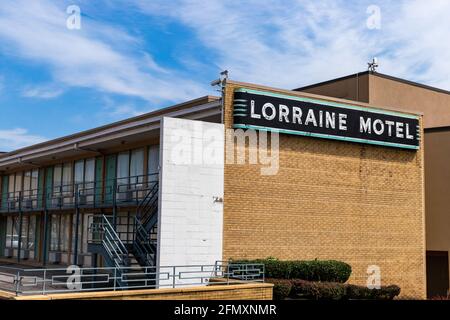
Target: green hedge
pixel 282 288
pixel 314 270
pixel 302 289
pixel 384 293
pixel 318 290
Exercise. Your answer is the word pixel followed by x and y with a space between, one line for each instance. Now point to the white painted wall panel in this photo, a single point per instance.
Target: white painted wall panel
pixel 190 224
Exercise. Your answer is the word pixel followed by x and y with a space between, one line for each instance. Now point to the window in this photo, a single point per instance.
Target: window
pixel 153 162
pixel 83 232
pixel 14 189
pixel 31 232
pixel 18 182
pixel 65 232
pixel 24 235
pixel 34 179
pixel 55 232
pixel 89 174
pixel 60 230
pixel 67 183
pixel 27 184
pixel 79 172
pixel 123 167
pixel 57 179
pixel 67 174
pixel 12 232
pixel 11 184
pixel 30 184
pixel 137 166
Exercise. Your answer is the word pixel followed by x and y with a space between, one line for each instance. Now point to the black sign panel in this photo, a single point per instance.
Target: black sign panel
pixel 262 110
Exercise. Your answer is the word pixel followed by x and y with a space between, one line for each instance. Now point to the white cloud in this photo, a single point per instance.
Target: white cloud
pixel 11 139
pixel 293 43
pixel 112 110
pixel 97 56
pixel 43 92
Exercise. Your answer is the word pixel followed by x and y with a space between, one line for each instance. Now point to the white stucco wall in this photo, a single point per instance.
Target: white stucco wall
pixel 190 219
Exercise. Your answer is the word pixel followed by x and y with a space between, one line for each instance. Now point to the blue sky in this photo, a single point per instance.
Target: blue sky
pixel 131 57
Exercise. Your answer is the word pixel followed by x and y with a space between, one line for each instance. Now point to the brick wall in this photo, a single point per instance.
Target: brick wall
pixel 357 203
pixel 251 291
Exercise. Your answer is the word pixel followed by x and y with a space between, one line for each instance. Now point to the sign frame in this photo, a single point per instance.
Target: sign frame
pixel 241 109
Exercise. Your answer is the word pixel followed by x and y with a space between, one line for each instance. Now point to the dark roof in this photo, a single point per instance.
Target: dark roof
pixel 381 75
pixel 182 105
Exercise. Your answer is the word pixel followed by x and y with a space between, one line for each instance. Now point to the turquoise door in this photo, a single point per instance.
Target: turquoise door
pixel 98 180
pixel 40 193
pixel 49 184
pixel 110 176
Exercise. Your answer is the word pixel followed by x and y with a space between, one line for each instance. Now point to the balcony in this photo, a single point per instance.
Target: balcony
pixel 119 192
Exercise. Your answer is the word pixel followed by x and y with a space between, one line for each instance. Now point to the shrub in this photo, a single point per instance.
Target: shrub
pixel 361 292
pixel 319 290
pixel 314 270
pixel 281 289
pixel 339 291
pixel 321 270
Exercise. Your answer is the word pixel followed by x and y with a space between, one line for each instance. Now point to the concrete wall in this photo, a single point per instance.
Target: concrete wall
pixel 250 291
pixel 402 96
pixel 192 169
pixel 437 177
pixel 351 88
pixel 385 92
pixel 357 203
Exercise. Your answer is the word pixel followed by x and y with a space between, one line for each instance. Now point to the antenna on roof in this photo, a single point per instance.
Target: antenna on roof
pixel 373 65
pixel 222 79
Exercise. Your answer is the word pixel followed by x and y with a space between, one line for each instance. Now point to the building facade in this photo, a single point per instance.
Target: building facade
pixel 343 188
pixel 433 103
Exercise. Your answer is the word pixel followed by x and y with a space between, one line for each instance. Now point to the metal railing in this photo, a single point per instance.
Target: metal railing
pixel 146 208
pixel 101 193
pixel 75 279
pixel 113 245
pixel 144 245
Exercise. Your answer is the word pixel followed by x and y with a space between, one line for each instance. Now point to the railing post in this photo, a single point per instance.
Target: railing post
pixel 44 247
pixel 264 272
pixel 77 225
pixel 173 276
pixel 115 278
pixel 94 196
pixel 19 242
pixel 45 281
pixel 18 283
pixel 115 203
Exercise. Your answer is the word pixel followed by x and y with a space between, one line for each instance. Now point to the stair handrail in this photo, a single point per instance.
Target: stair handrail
pixel 113 244
pixel 143 204
pixel 141 236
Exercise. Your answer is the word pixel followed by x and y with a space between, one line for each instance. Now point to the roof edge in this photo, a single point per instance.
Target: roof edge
pixel 186 104
pixel 376 74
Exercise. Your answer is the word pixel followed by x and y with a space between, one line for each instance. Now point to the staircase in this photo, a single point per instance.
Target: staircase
pixel 130 259
pixel 145 236
pixel 106 242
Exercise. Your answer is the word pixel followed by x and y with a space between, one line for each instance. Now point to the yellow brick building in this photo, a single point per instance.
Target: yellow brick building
pixel 349 196
pixel 358 203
